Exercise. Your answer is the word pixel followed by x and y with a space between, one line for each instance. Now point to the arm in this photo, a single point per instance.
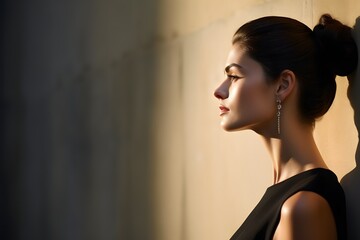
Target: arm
pixel 306 215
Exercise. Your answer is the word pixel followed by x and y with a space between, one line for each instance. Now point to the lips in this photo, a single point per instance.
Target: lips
pixel 223 109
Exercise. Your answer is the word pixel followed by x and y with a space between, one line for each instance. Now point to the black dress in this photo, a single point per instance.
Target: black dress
pixel 263 220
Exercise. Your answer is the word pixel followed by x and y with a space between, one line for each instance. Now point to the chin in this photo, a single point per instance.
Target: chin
pixel 234 127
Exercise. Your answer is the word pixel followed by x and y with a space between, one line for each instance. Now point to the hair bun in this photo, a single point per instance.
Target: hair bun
pixel 337 47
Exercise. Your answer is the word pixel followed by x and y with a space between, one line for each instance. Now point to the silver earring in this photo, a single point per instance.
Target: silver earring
pixel 278 101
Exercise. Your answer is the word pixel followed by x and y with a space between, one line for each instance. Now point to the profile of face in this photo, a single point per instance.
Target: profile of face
pixel 247 99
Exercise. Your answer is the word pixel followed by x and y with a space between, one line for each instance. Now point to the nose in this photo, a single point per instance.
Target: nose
pixel 222 92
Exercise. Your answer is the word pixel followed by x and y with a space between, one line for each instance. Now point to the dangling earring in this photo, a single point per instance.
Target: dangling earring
pixel 278 101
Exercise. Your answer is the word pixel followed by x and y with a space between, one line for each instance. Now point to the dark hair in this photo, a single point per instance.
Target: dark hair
pixel 315 57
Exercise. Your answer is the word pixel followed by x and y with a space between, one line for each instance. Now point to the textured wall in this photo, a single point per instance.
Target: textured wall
pixel 109 125
pixel 78 100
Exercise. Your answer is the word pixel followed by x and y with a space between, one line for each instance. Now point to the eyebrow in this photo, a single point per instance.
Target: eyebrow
pixel 227 69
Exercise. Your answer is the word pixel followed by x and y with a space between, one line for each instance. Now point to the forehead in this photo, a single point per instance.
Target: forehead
pixel 237 55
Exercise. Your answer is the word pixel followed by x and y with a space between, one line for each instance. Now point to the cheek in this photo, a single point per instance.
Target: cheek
pixel 241 102
pixel 254 100
pixel 263 105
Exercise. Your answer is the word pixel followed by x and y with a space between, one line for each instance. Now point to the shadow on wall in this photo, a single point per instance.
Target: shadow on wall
pixel 351 181
pixel 77 82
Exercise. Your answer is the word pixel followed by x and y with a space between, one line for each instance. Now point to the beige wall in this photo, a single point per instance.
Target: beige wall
pixel 109 125
pixel 206 180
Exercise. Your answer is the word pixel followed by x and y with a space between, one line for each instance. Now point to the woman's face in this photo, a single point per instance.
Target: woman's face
pixel 247 100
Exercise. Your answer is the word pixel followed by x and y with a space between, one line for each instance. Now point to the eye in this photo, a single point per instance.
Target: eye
pixel 233 77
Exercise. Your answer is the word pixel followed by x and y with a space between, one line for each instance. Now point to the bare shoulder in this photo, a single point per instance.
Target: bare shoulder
pixel 306 215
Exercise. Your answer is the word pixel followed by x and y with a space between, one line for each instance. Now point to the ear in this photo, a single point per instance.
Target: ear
pixel 286 84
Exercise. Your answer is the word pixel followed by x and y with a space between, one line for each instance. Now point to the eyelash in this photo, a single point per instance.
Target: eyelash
pixel 233 77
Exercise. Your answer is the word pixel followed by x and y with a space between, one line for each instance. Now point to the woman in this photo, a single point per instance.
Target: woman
pixel 280 79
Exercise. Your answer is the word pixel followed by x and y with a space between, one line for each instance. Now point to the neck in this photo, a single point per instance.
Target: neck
pixel 293 152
